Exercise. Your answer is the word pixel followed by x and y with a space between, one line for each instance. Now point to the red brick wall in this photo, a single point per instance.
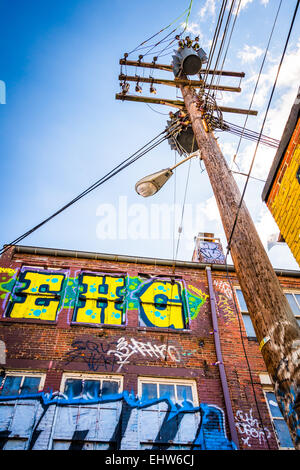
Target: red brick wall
pixel 36 345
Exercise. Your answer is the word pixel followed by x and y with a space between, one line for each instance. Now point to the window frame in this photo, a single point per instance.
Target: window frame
pixel 294 292
pixel 24 374
pixel 244 313
pixel 87 376
pixel 270 389
pixel 168 304
pixel 169 381
pixel 78 294
pixel 58 295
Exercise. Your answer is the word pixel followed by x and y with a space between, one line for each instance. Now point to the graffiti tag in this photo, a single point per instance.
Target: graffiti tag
pixel 223 303
pixel 92 353
pixel 125 350
pixel 250 428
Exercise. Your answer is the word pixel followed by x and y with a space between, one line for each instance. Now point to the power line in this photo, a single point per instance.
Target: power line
pixel 222 41
pixel 245 174
pixel 259 75
pixel 128 161
pixel 249 134
pixel 215 39
pixel 140 46
pixel 263 124
pixel 229 40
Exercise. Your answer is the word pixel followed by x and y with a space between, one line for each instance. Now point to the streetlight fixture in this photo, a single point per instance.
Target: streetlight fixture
pixel 151 184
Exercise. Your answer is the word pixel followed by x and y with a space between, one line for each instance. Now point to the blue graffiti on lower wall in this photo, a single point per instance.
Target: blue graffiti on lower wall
pixel 128 411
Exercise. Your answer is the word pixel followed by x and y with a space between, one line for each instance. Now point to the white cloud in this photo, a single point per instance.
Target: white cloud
pixel 287 84
pixel 228 149
pixel 194 28
pixel 209 8
pixel 266 225
pixel 245 3
pixel 280 254
pixel 210 209
pixel 249 53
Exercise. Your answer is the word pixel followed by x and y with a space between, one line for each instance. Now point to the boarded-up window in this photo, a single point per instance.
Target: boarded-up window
pixel 36 295
pixel 100 299
pixel 164 420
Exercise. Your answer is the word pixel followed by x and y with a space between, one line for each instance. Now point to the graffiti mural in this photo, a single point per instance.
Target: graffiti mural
pixel 7 281
pixel 161 304
pixel 196 299
pixel 93 353
pixel 224 300
pixel 118 421
pixel 223 287
pixel 99 298
pixel 36 295
pixel 211 252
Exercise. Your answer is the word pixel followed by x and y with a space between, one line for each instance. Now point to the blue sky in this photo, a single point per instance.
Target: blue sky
pixel 62 129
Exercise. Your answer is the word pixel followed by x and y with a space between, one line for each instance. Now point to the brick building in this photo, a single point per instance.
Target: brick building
pixel 102 351
pixel 281 192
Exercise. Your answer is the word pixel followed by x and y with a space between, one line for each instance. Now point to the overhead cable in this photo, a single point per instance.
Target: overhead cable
pixel 128 161
pixel 258 77
pixel 222 43
pixel 187 10
pixel 263 124
pixel 215 39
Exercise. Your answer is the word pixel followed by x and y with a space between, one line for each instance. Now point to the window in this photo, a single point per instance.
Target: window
pixel 177 392
pixel 159 427
pixel 281 428
pixel 90 421
pixel 246 317
pixel 16 383
pixel 294 301
pixel 90 387
pixel 101 299
pixel 292 297
pixel 36 295
pixel 162 304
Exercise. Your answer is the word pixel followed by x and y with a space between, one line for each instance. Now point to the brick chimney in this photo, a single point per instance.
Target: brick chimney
pixel 208 249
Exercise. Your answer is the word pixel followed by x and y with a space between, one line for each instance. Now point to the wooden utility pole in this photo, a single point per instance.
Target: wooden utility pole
pixel 275 325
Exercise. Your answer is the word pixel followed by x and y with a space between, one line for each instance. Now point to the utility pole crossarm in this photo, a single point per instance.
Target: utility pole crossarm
pixel 169 68
pixel 147 99
pixel 178 104
pixel 177 82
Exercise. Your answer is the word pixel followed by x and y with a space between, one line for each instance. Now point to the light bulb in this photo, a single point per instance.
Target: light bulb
pixel 146 189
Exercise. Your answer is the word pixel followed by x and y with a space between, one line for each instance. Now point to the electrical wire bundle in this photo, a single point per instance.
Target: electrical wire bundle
pixel 248 134
pixel 216 38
